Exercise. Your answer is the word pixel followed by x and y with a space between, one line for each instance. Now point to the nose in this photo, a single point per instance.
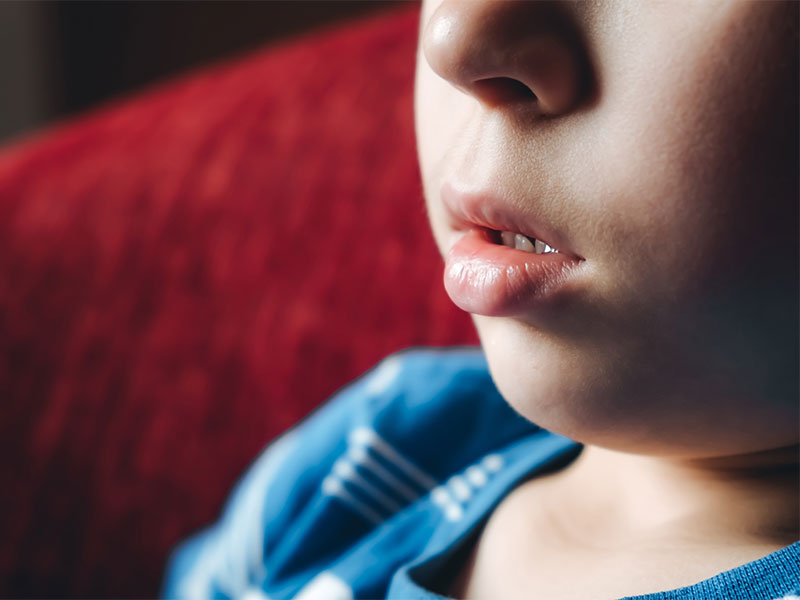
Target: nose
pixel 509 51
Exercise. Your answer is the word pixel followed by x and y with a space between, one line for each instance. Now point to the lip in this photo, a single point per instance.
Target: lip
pixel 486 278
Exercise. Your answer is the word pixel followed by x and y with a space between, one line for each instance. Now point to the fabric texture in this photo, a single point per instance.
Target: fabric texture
pixel 184 275
pixel 382 487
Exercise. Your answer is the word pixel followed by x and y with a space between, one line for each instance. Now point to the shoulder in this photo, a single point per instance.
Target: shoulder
pixel 377 447
pixel 437 399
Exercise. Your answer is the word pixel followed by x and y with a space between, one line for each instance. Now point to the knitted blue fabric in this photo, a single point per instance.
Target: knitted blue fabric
pixel 374 494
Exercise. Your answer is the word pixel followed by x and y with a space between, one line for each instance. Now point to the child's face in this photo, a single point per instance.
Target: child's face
pixel 656 148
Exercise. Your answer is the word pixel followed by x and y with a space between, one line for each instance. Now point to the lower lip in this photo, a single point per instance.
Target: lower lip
pixel 489 279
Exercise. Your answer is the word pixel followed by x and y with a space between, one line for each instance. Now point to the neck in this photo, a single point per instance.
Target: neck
pixel 750 497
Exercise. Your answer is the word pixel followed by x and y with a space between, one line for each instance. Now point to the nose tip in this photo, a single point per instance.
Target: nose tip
pixel 508 51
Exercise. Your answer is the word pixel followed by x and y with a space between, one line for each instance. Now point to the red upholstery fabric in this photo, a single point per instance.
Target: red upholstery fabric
pixel 184 275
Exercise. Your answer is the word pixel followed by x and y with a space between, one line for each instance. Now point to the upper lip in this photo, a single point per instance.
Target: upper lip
pixel 467 210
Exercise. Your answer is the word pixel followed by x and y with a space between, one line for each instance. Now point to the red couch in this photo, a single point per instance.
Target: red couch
pixel 185 274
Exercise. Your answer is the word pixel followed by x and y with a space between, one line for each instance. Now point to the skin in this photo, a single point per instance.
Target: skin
pixel 660 140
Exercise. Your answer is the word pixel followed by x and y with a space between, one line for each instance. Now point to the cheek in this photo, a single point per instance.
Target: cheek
pixel 695 155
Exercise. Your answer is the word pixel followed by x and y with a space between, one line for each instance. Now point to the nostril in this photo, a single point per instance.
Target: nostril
pixel 497 90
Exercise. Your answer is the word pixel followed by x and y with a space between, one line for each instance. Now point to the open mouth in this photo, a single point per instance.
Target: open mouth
pixel 519 241
pixel 500 224
pixel 503 273
pixel 501 260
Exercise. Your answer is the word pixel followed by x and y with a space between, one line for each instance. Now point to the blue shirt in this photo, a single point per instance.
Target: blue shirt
pixel 383 487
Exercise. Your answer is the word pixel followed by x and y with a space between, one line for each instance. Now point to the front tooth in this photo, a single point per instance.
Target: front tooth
pixel 540 247
pixel 523 243
pixel 508 238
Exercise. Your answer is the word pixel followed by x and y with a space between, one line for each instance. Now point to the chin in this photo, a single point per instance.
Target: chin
pixel 596 396
pixel 539 377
